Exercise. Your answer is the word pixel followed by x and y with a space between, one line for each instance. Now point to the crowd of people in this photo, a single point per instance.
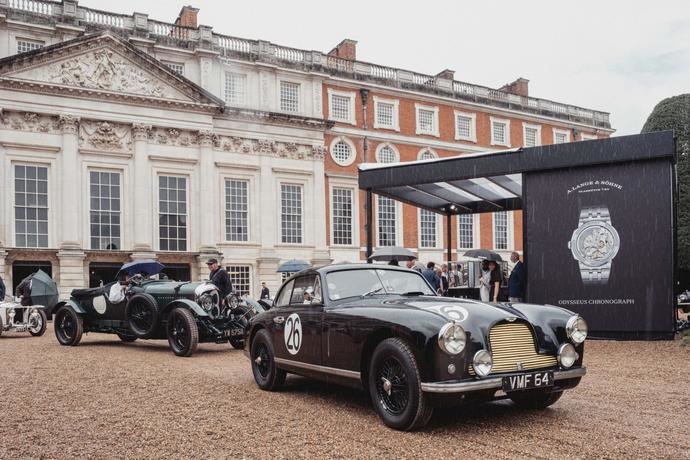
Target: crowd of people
pixel 490 279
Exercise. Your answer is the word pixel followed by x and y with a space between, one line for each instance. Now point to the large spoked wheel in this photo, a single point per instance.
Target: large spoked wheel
pixel 535 399
pixel 183 334
pixel 68 326
pixel 38 321
pixel 266 374
pixel 142 315
pixel 395 386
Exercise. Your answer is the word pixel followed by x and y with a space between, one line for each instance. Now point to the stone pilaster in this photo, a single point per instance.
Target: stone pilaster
pixel 71 271
pixel 70 172
pixel 266 271
pixel 208 206
pixel 143 210
pixel 4 271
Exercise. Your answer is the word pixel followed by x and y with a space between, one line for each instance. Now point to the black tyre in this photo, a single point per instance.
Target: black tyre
pixel 237 344
pixel 266 374
pixel 126 337
pixel 68 326
pixel 183 334
pixel 395 386
pixel 142 315
pixel 39 328
pixel 535 399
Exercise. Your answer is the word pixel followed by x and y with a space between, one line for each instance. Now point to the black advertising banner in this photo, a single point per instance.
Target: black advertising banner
pixel 599 242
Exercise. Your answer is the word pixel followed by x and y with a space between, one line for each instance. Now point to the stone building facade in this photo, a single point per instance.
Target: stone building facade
pixel 123 137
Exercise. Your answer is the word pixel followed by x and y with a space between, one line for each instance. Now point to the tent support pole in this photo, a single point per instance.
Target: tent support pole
pixel 367 223
pixel 449 241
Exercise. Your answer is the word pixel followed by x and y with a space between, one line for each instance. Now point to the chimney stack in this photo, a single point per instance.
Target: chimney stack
pixel 187 17
pixel 346 49
pixel 519 87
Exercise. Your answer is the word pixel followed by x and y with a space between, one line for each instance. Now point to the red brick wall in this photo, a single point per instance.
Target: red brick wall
pixel 409 152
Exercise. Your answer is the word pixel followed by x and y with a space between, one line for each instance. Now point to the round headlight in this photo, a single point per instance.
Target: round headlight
pixel 452 338
pixel 567 355
pixel 482 363
pixel 576 329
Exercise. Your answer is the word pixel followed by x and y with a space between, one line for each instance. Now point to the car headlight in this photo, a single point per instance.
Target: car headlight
pixel 576 329
pixel 567 355
pixel 482 363
pixel 452 338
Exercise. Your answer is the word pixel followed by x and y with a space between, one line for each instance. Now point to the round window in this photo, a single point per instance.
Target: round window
pixel 386 155
pixel 342 153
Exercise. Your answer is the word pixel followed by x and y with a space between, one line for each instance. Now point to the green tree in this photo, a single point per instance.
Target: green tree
pixel 674 113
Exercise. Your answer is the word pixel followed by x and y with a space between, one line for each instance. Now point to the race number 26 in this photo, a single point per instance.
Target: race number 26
pixel 293 334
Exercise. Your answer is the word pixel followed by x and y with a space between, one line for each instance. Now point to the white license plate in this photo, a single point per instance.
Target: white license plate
pixel 527 381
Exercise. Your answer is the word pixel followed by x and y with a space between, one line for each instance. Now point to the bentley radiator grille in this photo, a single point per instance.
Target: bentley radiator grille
pixel 513 349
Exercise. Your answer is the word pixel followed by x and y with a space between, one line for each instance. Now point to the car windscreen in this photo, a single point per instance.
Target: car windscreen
pixel 365 282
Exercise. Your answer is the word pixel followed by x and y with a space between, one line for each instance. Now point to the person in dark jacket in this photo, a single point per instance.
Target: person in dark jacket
pixel 219 277
pixel 2 289
pixel 23 291
pixel 264 291
pixel 516 282
pixel 431 276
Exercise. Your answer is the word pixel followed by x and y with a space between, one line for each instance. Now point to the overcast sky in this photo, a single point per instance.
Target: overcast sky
pixel 606 55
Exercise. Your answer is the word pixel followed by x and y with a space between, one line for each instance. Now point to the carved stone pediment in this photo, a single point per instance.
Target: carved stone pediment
pixel 102 66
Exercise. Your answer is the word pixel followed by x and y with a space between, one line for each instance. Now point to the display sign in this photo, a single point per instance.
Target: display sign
pixel 599 242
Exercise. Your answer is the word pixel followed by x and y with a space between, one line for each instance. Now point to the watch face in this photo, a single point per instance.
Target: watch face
pixel 595 243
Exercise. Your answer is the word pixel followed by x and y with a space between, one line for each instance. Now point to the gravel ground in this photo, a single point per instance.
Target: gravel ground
pixel 107 399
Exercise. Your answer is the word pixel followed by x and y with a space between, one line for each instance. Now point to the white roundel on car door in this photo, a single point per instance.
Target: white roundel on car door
pixel 293 334
pixel 99 304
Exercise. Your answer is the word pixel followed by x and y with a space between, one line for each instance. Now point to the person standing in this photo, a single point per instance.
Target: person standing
pixel 516 282
pixel 264 291
pixel 220 278
pixel 445 279
pixel 2 289
pixel 430 275
pixel 485 282
pixel 495 281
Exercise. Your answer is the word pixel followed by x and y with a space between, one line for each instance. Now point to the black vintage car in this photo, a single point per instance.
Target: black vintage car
pixel 383 329
pixel 185 313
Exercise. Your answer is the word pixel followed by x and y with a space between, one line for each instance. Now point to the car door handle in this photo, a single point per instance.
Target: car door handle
pixel 279 320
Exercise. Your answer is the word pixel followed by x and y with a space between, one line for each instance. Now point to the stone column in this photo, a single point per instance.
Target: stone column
pixel 4 274
pixel 208 220
pixel 266 267
pixel 70 255
pixel 69 184
pixel 142 197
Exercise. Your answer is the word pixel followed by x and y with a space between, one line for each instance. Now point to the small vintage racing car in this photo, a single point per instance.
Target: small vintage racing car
pixel 20 318
pixel 384 329
pixel 185 313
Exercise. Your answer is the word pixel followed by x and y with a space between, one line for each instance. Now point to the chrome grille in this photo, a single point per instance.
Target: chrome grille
pixel 513 343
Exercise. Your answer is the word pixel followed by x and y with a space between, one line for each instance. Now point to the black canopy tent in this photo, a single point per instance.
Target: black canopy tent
pixel 536 180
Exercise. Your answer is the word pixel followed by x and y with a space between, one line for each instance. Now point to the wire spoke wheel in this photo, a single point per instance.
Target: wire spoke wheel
pixel 66 326
pixel 262 360
pixel 181 333
pixel 141 316
pixel 392 387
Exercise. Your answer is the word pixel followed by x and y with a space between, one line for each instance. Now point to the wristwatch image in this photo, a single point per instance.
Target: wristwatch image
pixel 594 244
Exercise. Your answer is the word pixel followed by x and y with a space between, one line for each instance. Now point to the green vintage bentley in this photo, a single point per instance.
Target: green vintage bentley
pixel 136 307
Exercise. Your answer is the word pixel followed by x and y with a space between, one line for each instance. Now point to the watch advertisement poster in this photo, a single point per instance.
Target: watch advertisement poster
pixel 599 242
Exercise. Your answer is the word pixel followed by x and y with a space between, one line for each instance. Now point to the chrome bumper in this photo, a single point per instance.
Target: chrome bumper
pixel 490 383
